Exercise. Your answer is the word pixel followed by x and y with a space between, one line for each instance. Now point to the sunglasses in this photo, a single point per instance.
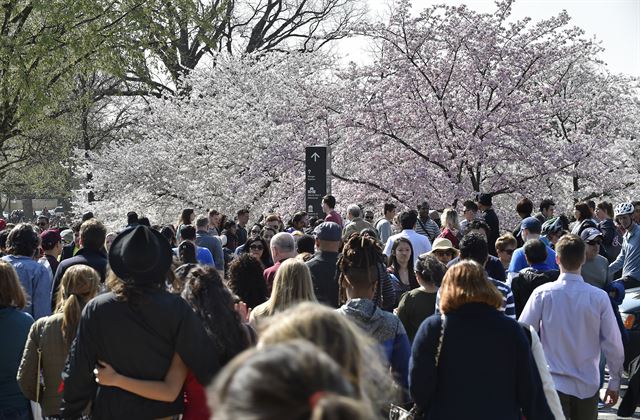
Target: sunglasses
pixel 42 223
pixel 256 247
pixel 509 251
pixel 597 243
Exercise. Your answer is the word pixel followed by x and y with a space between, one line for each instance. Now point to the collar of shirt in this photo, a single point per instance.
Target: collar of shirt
pixel 570 277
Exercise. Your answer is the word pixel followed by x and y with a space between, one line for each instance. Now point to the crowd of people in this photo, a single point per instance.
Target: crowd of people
pixel 421 314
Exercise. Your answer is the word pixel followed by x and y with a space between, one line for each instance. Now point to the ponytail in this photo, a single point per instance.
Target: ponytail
pixel 335 407
pixel 71 310
pixel 78 285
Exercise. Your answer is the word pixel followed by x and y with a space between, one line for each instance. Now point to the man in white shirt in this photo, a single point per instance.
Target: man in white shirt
pixel 576 323
pixel 420 243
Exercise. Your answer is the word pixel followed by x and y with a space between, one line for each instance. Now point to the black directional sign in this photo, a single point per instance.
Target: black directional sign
pixel 317 180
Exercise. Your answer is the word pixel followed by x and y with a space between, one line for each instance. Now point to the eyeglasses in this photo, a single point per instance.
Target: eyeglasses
pixel 256 247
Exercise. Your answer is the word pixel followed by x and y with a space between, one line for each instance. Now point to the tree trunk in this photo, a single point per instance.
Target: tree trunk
pixel 27 208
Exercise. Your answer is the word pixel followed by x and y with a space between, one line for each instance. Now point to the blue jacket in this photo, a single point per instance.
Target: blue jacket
pixel 485 369
pixel 36 280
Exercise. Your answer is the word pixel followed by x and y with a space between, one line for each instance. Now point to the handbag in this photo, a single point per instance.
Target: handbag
pixel 399 413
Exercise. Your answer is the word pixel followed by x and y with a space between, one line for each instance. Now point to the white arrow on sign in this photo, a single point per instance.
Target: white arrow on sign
pixel 315 156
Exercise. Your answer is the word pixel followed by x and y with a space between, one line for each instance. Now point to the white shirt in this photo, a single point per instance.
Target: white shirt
pixel 420 243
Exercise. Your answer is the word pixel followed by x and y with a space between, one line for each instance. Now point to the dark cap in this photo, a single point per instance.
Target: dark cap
pixel 485 199
pixel 49 238
pixel 589 234
pixel 531 223
pixel 328 231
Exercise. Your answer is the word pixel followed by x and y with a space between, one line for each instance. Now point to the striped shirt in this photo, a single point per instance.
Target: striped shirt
pixel 508 304
pixel 430 230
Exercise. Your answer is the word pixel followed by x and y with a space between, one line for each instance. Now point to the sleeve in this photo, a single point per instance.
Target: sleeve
pixel 422 367
pixel 218 254
pixel 42 292
pixel 403 310
pixel 400 356
pixel 206 256
pixel 532 312
pixel 611 343
pixel 55 284
pixel 616 266
pixel 79 383
pixel 385 231
pixel 608 233
pixel 388 246
pixel 28 371
pixel 548 386
pixel 529 392
pixel 195 347
pixel 387 293
pixel 497 271
pixel 509 305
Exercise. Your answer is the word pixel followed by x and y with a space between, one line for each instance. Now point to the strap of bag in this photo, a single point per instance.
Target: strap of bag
pixel 39 371
pixel 440 339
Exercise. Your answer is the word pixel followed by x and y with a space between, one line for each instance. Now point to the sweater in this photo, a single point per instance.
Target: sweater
pixel 384 327
pixel 485 370
pixel 46 336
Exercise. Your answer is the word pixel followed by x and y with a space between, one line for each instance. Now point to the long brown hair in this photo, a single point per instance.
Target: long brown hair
pixel 78 286
pixel 11 292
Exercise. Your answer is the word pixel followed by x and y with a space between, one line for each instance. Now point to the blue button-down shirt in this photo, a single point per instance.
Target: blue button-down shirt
pixel 36 281
pixel 576 322
pixel 629 257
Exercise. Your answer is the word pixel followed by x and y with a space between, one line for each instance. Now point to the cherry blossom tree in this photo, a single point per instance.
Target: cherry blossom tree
pixel 236 140
pixel 457 103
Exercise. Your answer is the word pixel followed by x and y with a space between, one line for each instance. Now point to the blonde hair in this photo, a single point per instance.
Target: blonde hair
pixel 449 219
pixel 291 285
pixel 467 282
pixel 78 286
pixel 346 344
pixel 11 291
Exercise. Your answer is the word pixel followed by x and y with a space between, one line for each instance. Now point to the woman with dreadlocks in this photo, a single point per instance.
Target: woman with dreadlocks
pixel 359 276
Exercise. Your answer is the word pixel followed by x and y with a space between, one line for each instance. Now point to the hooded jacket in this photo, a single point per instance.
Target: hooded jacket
pixel 387 329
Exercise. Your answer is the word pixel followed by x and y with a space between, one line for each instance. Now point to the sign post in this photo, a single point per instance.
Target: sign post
pixel 317 178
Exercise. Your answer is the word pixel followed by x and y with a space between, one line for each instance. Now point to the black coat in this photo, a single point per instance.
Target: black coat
pixel 323 267
pixel 491 218
pixel 94 259
pixel 138 340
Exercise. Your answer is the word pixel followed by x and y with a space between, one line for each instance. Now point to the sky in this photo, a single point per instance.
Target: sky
pixel 616 23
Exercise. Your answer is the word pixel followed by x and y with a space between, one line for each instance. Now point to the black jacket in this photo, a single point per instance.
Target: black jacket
pixel 485 369
pixel 96 260
pixel 67 251
pixel 526 282
pixel 491 218
pixel 138 340
pixel 323 267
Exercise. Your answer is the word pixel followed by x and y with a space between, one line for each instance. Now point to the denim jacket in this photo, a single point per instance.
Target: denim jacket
pixel 36 280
